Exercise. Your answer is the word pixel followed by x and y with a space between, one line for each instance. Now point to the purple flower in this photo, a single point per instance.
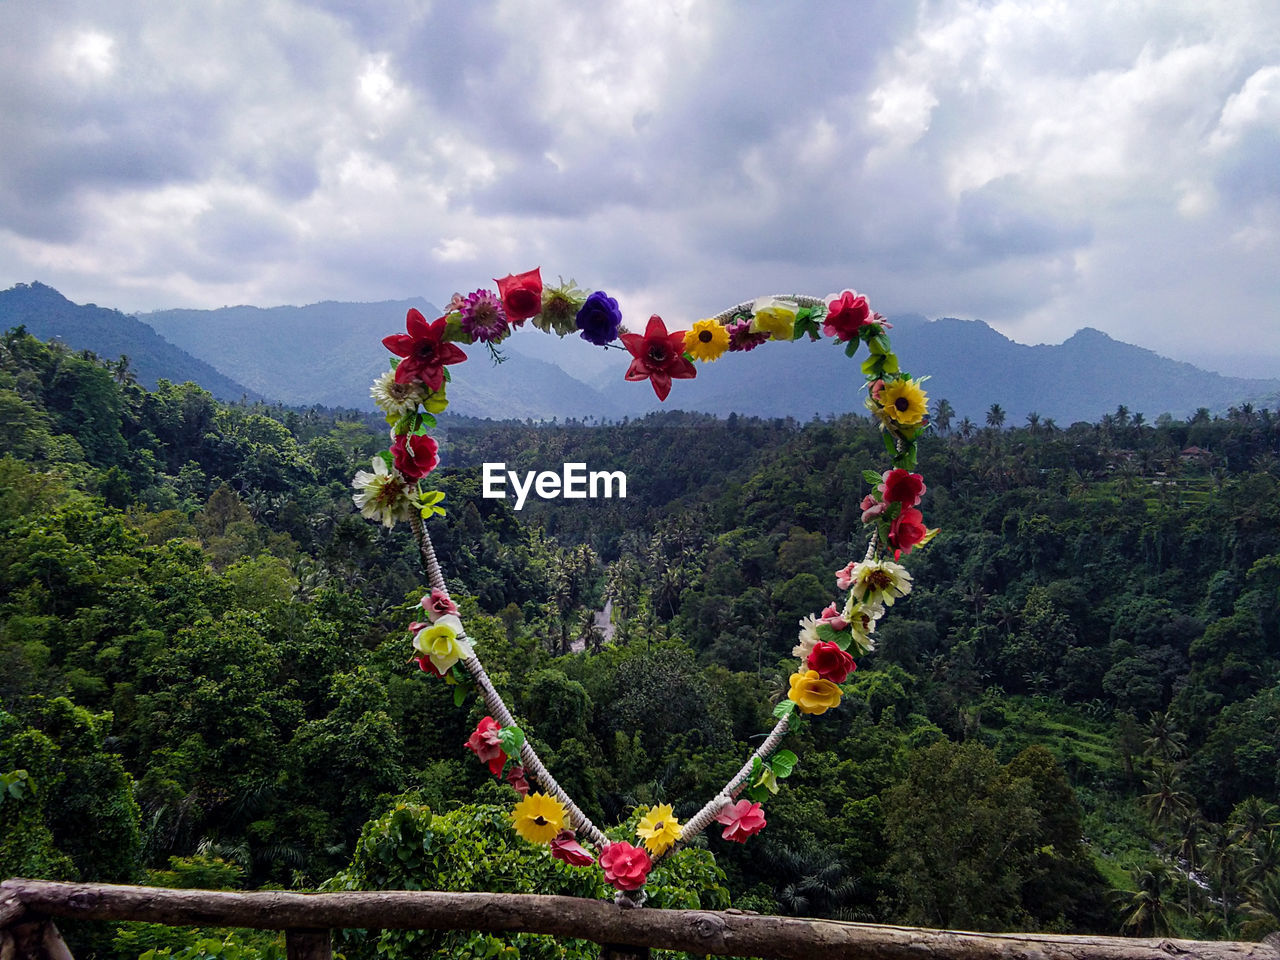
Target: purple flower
pixel 483 318
pixel 599 319
pixel 742 339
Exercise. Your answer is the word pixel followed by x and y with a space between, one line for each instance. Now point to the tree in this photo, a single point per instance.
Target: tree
pixel 995 416
pixel 943 413
pixel 1149 908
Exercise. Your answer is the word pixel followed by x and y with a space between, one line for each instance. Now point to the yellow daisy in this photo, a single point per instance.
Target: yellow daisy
pixel 904 401
pixel 659 829
pixel 538 818
pixel 706 341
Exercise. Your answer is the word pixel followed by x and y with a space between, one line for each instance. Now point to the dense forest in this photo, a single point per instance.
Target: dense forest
pixel 1071 723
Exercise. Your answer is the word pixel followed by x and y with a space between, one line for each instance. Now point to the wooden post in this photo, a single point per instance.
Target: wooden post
pixel 308 944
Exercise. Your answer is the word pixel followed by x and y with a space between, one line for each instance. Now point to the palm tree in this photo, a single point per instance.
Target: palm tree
pixel 995 416
pixel 1262 904
pixel 965 429
pixel 1149 909
pixel 1252 819
pixel 1189 828
pixel 1033 422
pixel 1164 740
pixel 943 413
pixel 1167 799
pixel 1222 857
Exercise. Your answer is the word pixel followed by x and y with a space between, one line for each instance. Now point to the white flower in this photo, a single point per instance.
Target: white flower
pixel 878 582
pixel 382 495
pixel 396 399
pixel 808 638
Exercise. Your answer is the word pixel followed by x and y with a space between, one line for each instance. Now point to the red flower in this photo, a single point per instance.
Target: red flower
pixel 438 605
pixel 426 664
pixel 521 294
pixel 906 531
pixel 902 486
pixel 565 847
pixel 846 315
pixel 515 777
pixel 487 746
pixel 831 662
pixel 741 820
pixel 658 356
pixel 625 867
pixel 424 351
pixel 871 507
pixel 415 456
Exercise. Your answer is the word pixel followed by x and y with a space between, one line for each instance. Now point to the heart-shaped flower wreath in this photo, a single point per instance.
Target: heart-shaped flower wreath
pixel 413 391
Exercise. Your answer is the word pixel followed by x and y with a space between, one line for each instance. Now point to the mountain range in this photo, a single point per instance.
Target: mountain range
pixel 328 354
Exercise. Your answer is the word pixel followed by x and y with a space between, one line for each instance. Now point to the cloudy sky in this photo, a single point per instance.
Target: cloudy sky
pixel 1037 164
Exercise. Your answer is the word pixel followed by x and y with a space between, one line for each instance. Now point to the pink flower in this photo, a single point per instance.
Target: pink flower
pixel 741 339
pixel 565 847
pixel 625 867
pixel 437 605
pixel 833 618
pixel 484 318
pixel 741 820
pixel 901 486
pixel 658 357
pixel 415 456
pixel 871 507
pixel 831 662
pixel 906 531
pixel 521 294
pixel 844 577
pixel 424 351
pixel 846 315
pixel 515 777
pixel 486 745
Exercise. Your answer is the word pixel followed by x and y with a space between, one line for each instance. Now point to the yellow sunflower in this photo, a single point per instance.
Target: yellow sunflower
pixel 706 341
pixel 659 829
pixel 538 818
pixel 904 401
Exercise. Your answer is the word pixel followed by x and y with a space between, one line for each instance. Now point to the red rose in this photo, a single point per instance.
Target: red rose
pixel 625 867
pixel 415 456
pixel 486 745
pixel 831 662
pixel 429 667
pixel 906 531
pixel 521 294
pixel 438 604
pixel 846 315
pixel 902 486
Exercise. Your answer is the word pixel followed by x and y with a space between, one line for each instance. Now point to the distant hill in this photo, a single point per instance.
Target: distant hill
pixel 110 334
pixel 328 353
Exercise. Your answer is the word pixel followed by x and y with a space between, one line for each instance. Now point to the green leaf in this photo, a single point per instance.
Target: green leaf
pixel 756 794
pixel 879 344
pixel 850 349
pixel 403 425
pixel 890 446
pixel 784 708
pixel 395 362
pixel 827 633
pixel 873 478
pixel 783 762
pixel 872 366
pixel 422 422
pixel 389 460
pixel 512 739
pixel 459 694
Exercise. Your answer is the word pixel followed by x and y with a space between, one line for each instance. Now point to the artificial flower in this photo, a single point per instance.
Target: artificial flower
pixel 625 867
pixel 560 306
pixel 382 495
pixel 741 820
pixel 907 531
pixel 658 356
pixel 521 294
pixel 846 315
pixel 425 664
pixel 515 777
pixel 443 642
pixel 774 317
pixel 415 455
pixel 742 338
pixel 599 319
pixel 871 507
pixel 861 624
pixel 396 399
pixel 808 637
pixel 901 486
pixel 812 694
pixel 486 745
pixel 844 576
pixel 424 352
pixel 832 618
pixel 706 341
pixel 565 846
pixel 539 818
pixel 437 604
pixel 830 662
pixel 484 318
pixel 904 401
pixel 659 829
pixel 429 503
pixel 880 582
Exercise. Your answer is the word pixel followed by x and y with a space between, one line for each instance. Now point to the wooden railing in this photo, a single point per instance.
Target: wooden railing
pixel 29 907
